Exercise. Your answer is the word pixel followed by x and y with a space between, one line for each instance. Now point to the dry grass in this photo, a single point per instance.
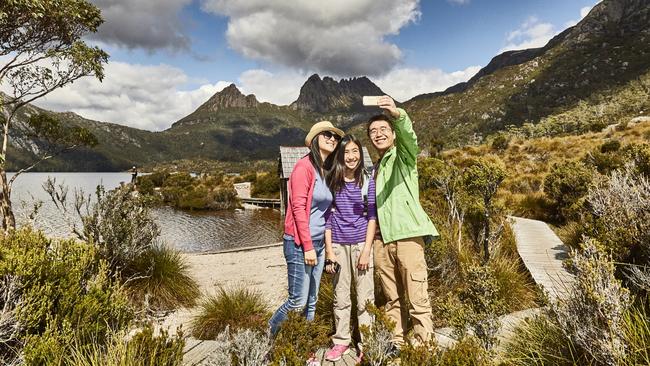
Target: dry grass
pixel 162 280
pixel 237 308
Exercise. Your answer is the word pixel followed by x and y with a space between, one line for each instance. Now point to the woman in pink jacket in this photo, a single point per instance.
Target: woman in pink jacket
pixel 304 228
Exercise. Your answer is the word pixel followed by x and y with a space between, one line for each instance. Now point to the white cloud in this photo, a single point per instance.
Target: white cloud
pixel 147 24
pixel 583 13
pixel 459 2
pixel 280 88
pixel 405 83
pixel 337 37
pixel 142 96
pixel 531 34
pixel 534 33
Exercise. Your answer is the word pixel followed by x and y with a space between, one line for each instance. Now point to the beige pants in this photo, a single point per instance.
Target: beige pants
pixel 403 271
pixel 348 255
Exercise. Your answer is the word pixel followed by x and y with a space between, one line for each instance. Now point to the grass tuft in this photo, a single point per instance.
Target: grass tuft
pixel 238 308
pixel 162 279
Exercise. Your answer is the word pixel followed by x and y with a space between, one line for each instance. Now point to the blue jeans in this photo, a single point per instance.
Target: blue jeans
pixel 304 282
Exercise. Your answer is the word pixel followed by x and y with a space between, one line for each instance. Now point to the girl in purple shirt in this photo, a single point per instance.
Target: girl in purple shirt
pixel 349 234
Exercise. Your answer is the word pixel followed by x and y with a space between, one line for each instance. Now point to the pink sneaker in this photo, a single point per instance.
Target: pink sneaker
pixel 312 361
pixel 335 353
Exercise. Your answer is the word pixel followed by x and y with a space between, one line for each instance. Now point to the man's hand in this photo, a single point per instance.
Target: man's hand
pixel 310 258
pixel 387 103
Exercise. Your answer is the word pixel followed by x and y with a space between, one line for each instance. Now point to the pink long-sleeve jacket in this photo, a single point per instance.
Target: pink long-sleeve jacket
pixel 301 191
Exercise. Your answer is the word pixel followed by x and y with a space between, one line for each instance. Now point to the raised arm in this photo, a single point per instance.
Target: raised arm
pixel 406 141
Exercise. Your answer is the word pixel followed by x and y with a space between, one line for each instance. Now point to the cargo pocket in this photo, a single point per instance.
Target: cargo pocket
pixel 419 295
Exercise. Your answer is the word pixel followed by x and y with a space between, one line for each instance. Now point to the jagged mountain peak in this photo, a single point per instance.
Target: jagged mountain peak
pixel 324 95
pixel 229 97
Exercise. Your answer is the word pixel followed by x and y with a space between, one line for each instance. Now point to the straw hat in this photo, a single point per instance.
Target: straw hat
pixel 320 127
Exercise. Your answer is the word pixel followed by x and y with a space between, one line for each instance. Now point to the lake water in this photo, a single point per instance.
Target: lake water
pixel 190 232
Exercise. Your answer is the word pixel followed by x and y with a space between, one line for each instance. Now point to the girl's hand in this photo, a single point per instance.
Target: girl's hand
pixel 332 257
pixel 310 258
pixel 364 260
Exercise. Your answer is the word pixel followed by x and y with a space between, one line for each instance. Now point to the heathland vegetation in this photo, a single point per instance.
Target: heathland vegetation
pixel 594 189
pixel 208 190
pixel 89 300
pixel 562 137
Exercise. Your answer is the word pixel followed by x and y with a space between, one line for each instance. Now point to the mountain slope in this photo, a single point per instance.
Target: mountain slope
pixel 608 51
pixel 120 147
pixel 589 76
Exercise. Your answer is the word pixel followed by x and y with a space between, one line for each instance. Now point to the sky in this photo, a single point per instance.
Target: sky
pixel 167 57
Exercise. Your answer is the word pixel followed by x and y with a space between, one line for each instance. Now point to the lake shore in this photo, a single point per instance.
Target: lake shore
pixel 263 269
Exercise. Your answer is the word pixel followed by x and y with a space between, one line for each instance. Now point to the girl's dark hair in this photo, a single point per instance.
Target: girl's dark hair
pixel 377 117
pixel 317 160
pixel 336 176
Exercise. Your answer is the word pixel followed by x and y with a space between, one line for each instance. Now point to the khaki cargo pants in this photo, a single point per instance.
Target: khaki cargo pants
pixel 403 271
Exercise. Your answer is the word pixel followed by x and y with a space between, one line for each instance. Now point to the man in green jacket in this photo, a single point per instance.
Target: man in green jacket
pixel 403 225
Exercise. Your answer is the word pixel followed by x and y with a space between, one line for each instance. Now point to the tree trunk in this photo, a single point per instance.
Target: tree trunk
pixel 486 236
pixel 8 218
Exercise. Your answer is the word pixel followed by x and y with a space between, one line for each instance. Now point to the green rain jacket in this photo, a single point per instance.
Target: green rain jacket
pixel 398 194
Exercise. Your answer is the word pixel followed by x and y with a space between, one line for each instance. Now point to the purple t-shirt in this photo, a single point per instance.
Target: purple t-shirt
pixel 347 221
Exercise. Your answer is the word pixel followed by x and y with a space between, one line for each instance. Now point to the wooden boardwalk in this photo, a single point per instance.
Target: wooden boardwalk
pixel 539 248
pixel 542 253
pixel 264 202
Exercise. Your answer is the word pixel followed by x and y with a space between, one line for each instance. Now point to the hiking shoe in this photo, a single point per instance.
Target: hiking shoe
pixel 335 353
pixel 359 358
pixel 312 361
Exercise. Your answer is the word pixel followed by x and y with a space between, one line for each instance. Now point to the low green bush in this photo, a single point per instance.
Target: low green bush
pixel 479 307
pixel 194 198
pixel 161 278
pixel 267 185
pixel 237 308
pixel 223 198
pixel 610 146
pixel 516 289
pixel 298 338
pixel 66 295
pixel 146 186
pixel 144 349
pixel 566 184
pixel 466 352
pixel 540 341
pixel 500 142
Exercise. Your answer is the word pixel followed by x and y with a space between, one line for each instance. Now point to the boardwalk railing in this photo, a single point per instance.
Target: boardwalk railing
pixel 265 202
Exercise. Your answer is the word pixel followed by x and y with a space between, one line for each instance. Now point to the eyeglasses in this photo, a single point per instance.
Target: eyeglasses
pixel 329 134
pixel 383 129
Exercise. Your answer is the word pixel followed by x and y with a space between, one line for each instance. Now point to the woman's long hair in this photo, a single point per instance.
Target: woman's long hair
pixel 336 176
pixel 316 159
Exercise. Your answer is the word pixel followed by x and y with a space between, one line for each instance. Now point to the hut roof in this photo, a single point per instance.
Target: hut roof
pixel 289 155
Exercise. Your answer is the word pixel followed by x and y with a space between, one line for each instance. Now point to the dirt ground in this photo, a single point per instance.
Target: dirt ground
pixel 263 269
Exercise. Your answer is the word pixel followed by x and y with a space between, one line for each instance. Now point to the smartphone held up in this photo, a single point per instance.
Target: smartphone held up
pixel 371 100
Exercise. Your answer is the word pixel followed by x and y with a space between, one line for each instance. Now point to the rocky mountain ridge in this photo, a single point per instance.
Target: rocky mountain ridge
pixel 327 95
pixel 595 73
pixel 564 87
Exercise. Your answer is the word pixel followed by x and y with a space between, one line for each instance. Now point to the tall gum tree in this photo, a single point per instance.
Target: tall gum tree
pixel 41 49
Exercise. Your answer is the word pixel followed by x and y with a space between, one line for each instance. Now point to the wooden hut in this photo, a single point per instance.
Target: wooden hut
pixel 289 155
